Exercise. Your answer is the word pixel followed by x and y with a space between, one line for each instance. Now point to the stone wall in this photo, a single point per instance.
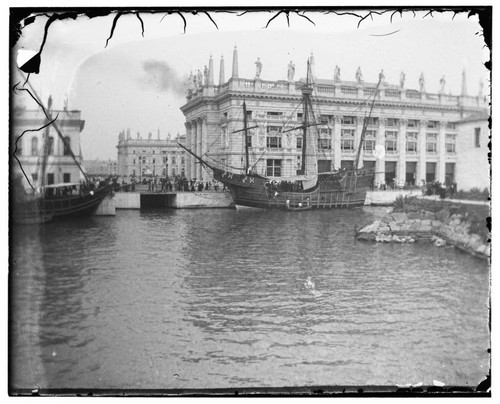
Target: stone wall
pixel 428 226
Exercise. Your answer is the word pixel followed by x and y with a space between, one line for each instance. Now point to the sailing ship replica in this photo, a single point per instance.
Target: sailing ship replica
pixel 44 203
pixel 343 188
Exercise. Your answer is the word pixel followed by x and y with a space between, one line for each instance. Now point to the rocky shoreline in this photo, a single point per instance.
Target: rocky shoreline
pixel 425 226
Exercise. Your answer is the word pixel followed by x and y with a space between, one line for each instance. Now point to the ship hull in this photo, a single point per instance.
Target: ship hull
pixel 45 209
pixel 341 189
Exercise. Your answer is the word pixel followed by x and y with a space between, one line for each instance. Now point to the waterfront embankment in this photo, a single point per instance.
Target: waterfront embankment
pixel 442 223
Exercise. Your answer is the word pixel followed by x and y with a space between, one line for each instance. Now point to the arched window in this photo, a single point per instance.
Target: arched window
pixel 50 146
pixel 67 146
pixel 34 146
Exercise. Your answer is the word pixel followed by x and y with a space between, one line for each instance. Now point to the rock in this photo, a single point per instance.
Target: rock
pixel 481 249
pixel 396 239
pixel 426 222
pixel 395 227
pixel 412 215
pixel 371 227
pixel 427 228
pixel 399 217
pixel 439 242
pixel 415 226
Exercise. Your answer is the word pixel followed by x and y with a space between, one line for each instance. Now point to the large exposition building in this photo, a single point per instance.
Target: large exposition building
pixel 419 131
pixel 138 158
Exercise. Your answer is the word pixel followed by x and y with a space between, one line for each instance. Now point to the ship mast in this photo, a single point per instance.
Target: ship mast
pixel 306 92
pixel 245 131
pixel 246 136
pixel 365 124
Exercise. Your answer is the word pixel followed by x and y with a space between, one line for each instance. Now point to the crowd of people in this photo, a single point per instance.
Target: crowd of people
pixel 173 184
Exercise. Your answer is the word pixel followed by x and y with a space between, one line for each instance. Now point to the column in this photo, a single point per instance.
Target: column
pixel 188 145
pixel 337 156
pixel 422 140
pixel 199 135
pixel 401 168
pixel 204 144
pixel 441 165
pixel 380 162
pixel 193 148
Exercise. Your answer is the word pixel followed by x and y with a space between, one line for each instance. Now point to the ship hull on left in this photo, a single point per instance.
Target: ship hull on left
pixel 36 209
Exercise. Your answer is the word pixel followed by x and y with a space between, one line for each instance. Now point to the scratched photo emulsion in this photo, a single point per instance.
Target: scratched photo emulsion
pixel 249 201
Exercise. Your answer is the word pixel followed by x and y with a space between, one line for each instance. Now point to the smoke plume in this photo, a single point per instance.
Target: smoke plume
pixel 160 76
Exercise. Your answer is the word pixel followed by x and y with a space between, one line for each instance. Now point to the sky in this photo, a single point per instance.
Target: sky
pixel 137 82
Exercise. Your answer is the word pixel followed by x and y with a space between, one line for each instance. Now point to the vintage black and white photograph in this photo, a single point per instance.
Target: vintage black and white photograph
pixel 251 201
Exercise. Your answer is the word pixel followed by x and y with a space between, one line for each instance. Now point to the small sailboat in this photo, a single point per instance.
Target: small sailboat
pixel 342 188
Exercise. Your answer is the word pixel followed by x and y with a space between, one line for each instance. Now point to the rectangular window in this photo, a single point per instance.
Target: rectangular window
pixel 182 160
pixel 50 178
pixel 391 122
pixel 412 123
pixel 299 116
pixel 369 145
pixel 325 144
pixel 372 121
pixel 347 140
pixel 273 142
pixel 325 131
pixel 477 137
pixel 34 177
pixel 451 125
pixel 299 143
pixel 273 168
pixel 391 140
pixel 370 140
pixel 432 124
pixel 272 114
pixel 173 159
pixel 66 177
pixel 325 119
pixel 249 141
pixel 348 120
pixel 411 142
pixel 431 143
pixel 249 114
pixel 451 140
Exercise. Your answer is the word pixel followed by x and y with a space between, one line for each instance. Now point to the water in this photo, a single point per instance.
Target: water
pixel 216 298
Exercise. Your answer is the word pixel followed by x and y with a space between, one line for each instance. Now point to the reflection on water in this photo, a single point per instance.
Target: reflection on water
pixel 216 298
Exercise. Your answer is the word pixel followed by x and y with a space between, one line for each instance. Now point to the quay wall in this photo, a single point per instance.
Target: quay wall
pixel 128 200
pixel 179 200
pixel 107 207
pixel 425 226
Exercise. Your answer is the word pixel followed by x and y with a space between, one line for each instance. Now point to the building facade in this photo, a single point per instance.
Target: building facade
pixel 472 142
pixel 139 158
pixel 416 130
pixel 103 168
pixel 43 152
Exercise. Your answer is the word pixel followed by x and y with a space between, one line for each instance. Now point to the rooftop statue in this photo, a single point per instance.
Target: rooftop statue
pixel 442 83
pixel 421 83
pixel 336 74
pixel 402 78
pixel 291 71
pixel 258 68
pixel 359 75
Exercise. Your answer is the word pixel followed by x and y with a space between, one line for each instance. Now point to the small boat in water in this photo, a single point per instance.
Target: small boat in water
pixel 342 188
